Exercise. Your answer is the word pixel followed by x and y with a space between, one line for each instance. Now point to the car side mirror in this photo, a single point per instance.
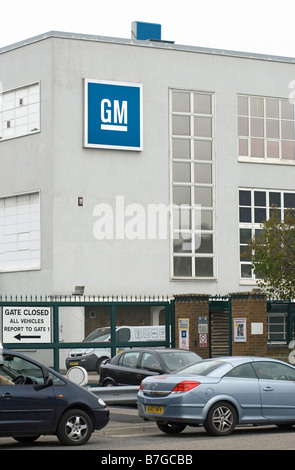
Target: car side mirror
pixel 48 381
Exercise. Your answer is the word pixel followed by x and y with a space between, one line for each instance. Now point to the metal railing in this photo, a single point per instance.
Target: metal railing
pixel 55 302
pixel 126 394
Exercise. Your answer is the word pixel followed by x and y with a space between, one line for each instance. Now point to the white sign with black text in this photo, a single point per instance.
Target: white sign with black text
pixel 26 324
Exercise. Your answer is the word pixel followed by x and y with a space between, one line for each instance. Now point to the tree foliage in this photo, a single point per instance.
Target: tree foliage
pixel 273 256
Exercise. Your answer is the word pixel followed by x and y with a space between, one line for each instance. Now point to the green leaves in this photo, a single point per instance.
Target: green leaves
pixel 273 256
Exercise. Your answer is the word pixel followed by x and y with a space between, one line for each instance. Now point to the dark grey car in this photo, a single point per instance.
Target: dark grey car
pixel 132 365
pixel 35 400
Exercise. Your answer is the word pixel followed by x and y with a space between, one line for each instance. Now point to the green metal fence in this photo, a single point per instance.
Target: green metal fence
pixel 55 303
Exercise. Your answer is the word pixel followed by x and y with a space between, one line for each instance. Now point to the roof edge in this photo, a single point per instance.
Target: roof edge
pixel 146 43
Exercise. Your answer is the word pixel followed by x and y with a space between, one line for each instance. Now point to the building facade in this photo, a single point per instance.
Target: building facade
pixel 138 166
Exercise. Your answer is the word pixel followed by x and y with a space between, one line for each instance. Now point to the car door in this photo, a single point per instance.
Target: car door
pixel 242 384
pixel 25 407
pixel 277 389
pixel 125 373
pixel 149 365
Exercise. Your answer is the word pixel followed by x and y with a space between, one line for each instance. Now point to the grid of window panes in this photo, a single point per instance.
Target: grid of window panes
pixel 20 232
pixel 277 327
pixel 20 112
pixel 255 206
pixel 266 128
pixel 192 184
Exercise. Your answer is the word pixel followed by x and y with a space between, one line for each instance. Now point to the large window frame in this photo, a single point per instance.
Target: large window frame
pixel 20 232
pixel 192 184
pixel 277 327
pixel 255 206
pixel 266 129
pixel 20 112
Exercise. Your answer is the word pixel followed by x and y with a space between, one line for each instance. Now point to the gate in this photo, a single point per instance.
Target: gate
pixel 19 333
pixel 220 327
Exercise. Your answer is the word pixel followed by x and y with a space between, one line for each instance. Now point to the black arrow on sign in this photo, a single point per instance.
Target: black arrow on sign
pixel 20 337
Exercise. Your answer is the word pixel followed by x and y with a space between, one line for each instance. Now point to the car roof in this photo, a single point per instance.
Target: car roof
pixel 236 360
pixel 157 350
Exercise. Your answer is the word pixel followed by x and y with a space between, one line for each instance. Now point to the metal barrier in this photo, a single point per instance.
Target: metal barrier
pixel 113 395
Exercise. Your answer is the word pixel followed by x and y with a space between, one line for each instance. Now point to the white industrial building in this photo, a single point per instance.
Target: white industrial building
pixel 138 166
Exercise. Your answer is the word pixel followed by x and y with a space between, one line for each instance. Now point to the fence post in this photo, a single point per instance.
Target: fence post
pixel 113 329
pixel 55 338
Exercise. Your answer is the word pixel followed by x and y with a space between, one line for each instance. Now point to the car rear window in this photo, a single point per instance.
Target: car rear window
pixel 200 368
pixel 176 359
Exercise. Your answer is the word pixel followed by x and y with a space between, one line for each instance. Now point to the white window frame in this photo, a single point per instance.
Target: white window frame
pixel 279 140
pixel 282 327
pixel 191 233
pixel 20 232
pixel 253 226
pixel 20 112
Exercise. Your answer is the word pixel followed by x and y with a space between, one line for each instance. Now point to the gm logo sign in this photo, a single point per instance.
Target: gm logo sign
pixel 113 115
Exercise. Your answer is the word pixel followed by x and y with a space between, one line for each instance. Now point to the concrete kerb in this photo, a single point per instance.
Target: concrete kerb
pixel 144 428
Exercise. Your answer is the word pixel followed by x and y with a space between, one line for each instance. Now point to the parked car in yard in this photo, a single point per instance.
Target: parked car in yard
pixel 219 394
pixel 91 358
pixel 132 365
pixel 35 400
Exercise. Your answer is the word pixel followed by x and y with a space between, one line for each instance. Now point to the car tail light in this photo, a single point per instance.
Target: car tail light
pixel 185 386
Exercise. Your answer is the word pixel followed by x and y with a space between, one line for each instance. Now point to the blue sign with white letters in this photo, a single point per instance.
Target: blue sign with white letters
pixel 113 115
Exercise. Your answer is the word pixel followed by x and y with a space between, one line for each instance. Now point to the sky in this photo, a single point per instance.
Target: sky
pixel 257 26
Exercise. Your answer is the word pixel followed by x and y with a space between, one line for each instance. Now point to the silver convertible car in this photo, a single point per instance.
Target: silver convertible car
pixel 219 394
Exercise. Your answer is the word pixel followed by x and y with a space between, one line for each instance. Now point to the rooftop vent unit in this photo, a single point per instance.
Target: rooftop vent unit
pixel 142 31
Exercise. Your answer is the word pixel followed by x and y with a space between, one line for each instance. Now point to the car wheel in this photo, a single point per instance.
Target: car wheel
pixel 221 419
pixel 26 439
pixel 75 427
pixel 170 428
pixel 109 383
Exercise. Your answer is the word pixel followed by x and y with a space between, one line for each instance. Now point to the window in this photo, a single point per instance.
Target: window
pixel 150 362
pixel 129 359
pixel 12 367
pixel 256 206
pixel 201 368
pixel 20 232
pixel 274 371
pixel 244 371
pixel 266 128
pixel 20 112
pixel 123 335
pixel 15 370
pixel 192 184
pixel 277 327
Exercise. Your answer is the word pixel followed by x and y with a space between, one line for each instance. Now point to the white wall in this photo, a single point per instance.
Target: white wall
pixel 57 163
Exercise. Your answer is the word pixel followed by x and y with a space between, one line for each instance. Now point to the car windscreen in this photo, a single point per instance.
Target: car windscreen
pixel 200 368
pixel 100 334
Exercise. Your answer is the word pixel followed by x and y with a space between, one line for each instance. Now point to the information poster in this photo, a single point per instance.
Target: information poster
pixel 183 327
pixel 240 330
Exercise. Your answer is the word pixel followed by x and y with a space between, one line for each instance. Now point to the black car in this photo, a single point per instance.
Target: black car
pixel 131 366
pixel 35 400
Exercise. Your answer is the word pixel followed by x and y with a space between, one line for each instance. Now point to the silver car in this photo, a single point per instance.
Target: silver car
pixel 219 394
